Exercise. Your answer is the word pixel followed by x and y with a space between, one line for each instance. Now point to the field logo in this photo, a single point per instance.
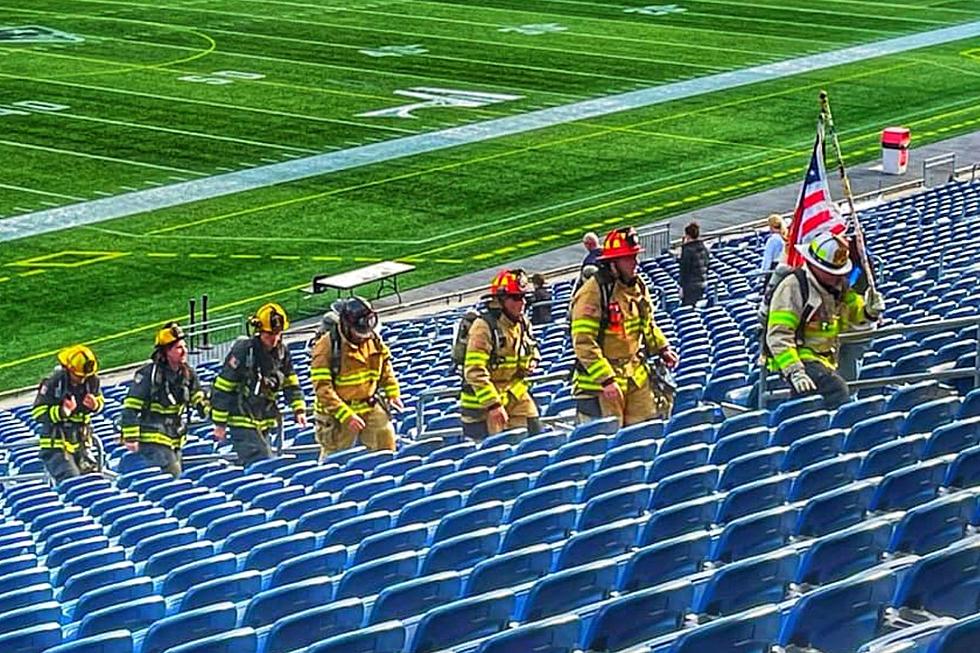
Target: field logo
pixel 35 34
pixel 536 29
pixel 656 10
pixel 395 51
pixel 439 97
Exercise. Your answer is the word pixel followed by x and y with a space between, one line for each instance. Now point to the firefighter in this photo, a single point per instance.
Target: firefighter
pixel 617 341
pixel 353 380
pixel 500 356
pixel 154 416
pixel 63 409
pixel 243 398
pixel 809 309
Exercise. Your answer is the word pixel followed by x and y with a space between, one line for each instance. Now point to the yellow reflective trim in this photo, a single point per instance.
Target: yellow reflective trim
pixel 787 319
pixel 223 384
pixel 785 359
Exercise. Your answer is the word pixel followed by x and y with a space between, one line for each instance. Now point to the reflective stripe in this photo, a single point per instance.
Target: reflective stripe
pixel 38 411
pixel 320 374
pixel 343 413
pixel 54 413
pixel 392 391
pixel 223 384
pixel 219 416
pixel 131 432
pixel 358 378
pixel 291 381
pixel 153 437
pixel 58 443
pixel 600 369
pixel 787 319
pixel 134 403
pixel 785 359
pixel 476 358
pixel 249 423
pixel 165 410
pixel 586 326
pixel 298 405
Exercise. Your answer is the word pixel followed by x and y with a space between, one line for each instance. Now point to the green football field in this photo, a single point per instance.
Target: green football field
pixel 101 99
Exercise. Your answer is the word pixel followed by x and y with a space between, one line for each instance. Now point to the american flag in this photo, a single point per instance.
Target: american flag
pixel 815 210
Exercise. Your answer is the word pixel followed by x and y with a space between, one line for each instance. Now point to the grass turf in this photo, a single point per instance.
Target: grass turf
pixel 144 107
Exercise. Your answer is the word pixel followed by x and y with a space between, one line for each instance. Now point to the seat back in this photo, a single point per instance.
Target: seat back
pixel 597 543
pixel 748 584
pixel 547 526
pixel 933 525
pixel 462 551
pixel 755 534
pixel 240 640
pixel 945 582
pixel 961 637
pixel 233 588
pixel 416 596
pixel 752 631
pixel 558 635
pixel 826 475
pixel 315 625
pixel 953 438
pixel 467 520
pixel 462 621
pixel 910 486
pixel 874 431
pixel 847 552
pixel 639 616
pixel 272 604
pixel 371 577
pixel 570 589
pixel 189 626
pixel 509 569
pixel 395 540
pixel 665 561
pixel 115 641
pixel 836 509
pixel 133 615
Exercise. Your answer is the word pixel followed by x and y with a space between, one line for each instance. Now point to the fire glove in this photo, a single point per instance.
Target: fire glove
pixel 801 382
pixel 874 303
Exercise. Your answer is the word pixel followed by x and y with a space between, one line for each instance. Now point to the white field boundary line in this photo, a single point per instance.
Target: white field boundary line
pixel 46 193
pixel 236 182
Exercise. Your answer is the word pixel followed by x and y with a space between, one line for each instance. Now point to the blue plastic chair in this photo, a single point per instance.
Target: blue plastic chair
pixel 486 457
pixel 652 429
pixel 836 509
pixel 222 527
pixel 752 631
pixel 605 508
pixel 874 431
pixel 567 590
pixel 752 467
pixel 754 497
pixel 320 520
pixel 931 415
pixel 801 426
pixel 502 488
pixel 187 575
pixel 310 477
pixel 945 582
pixel 461 481
pixel 739 444
pixel 308 627
pixel 577 469
pixel 248 539
pixel 328 561
pixel 234 588
pixel 970 406
pixel 701 434
pixel 853 412
pixel 684 486
pixel 891 456
pixel 953 438
pixel 297 507
pixel 388 542
pixel 30 616
pixel 748 584
pixel 603 426
pixel 372 577
pixel 694 417
pixel 824 476
pixel 416 597
pixel 430 508
pixel 164 562
pixel 964 471
pixel 910 486
pixel 367 488
pixel 755 534
pixel 115 641
pixel 133 615
pixel 336 482
pixel 110 595
pixel 741 423
pixel 546 526
pixel 665 561
pixel 931 526
pixel 639 616
pixel 33 639
pixel 687 517
pixel 558 635
pixel 462 621
pixel 272 552
pixel 601 542
pixel 839 555
pixel 399 466
pixel 240 640
pixel 355 529
pixel 908 397
pixel 388 637
pixel 961 637
pixel 392 500
pixel 97 578
pixel 818 620
pixel 461 552
pixel 483 515
pixel 270 605
pixel 509 569
pixel 189 626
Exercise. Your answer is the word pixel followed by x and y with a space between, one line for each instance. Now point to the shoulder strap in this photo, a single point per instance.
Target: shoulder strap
pixel 334 350
pixel 800 274
pixel 490 317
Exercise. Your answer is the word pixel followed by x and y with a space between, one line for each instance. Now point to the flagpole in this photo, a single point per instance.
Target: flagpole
pixel 828 120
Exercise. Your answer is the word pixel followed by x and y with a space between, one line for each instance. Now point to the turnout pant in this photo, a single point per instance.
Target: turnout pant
pixel 62 465
pixel 162 456
pixel 249 445
pixel 378 433
pixel 829 383
pixel 640 404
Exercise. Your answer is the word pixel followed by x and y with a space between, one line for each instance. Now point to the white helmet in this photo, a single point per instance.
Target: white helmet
pixel 828 252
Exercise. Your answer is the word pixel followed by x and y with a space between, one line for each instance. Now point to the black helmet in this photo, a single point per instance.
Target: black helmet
pixel 357 317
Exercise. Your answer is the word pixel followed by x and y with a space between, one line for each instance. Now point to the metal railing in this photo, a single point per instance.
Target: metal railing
pixel 870 334
pixel 101 467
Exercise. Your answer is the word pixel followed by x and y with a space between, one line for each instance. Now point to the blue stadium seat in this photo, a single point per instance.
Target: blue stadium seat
pixel 328 561
pixel 739 444
pixel 31 640
pixel 486 457
pixel 392 500
pixel 824 476
pixel 752 631
pixel 665 561
pixel 388 637
pixel 211 479
pixel 189 626
pixel 353 530
pixel 473 518
pixel 308 627
pixel 953 438
pixel 909 486
pixel 388 542
pixel 754 497
pixel 629 501
pixel 165 561
pixel 368 461
pixel 270 553
pixel 964 471
pixel 547 442
pixel 795 428
pixel 115 641
pixel 593 446
pixel 567 590
pixel 684 486
pixel 546 526
pixel 110 595
pixel 651 429
pixel 421 448
pixel 970 406
pixel 818 620
pixel 203 517
pixel 639 616
pixel 509 569
pixel 558 635
pixel 152 523
pixel 836 509
pixel 96 578
pixel 748 584
pixel 813 448
pixel 451 454
pixel 133 615
pixel 740 423
pixel 603 426
pixel 754 534
pixel 462 621
pixel 30 616
pixel 752 467
pixel 240 640
pixel 319 520
pixel 606 541
pixel 187 575
pixel 946 582
pixel 694 417
pixel 189 506
pixel 222 527
pixel 233 587
pixel 702 434
pixel 430 508
pixel 846 552
pixel 334 483
pixel 961 637
pixel 24 578
pixel 929 416
pixel 577 469
pixel 398 467
pixel 461 552
pixel 270 605
pixel 501 488
pixel 908 397
pixel 372 577
pixel 416 597
pixel 311 477
pixel 874 431
pixel 295 508
pixel 891 456
pixel 272 499
pixel 249 538
pixel 795 408
pixel 931 526
pixel 364 490
pixel 675 462
pixel 687 517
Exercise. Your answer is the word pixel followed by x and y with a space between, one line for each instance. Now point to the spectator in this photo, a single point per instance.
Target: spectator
pixel 775 247
pixel 541 300
pixel 591 261
pixel 694 265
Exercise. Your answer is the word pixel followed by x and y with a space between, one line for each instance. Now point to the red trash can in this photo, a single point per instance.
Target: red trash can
pixel 895 150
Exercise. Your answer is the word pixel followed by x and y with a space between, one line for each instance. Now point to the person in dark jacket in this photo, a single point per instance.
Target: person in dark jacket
pixel 541 300
pixel 694 265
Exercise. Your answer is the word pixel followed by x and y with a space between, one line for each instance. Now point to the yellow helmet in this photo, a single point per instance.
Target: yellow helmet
pixel 79 360
pixel 270 317
pixel 170 333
